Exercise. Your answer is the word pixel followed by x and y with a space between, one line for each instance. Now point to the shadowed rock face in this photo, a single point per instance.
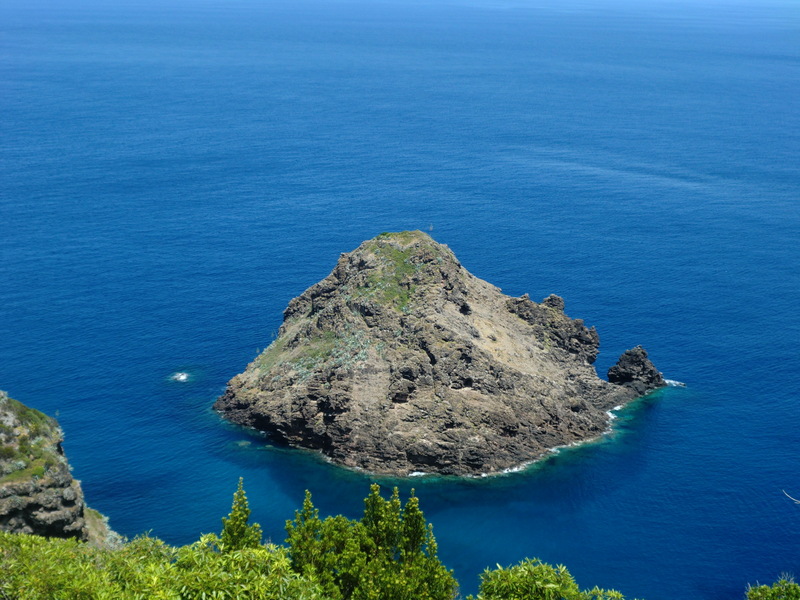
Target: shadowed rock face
pixel 634 369
pixel 401 361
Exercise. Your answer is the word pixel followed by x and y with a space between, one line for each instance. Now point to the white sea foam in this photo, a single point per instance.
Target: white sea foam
pixel 673 383
pixel 555 450
pixel 558 449
pixel 508 471
pixel 517 469
pixel 417 473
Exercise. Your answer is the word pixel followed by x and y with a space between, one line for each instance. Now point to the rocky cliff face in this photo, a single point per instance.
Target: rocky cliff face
pixel 37 492
pixel 401 361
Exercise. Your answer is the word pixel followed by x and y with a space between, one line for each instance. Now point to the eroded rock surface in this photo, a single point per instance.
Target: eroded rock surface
pixel 401 361
pixel 634 369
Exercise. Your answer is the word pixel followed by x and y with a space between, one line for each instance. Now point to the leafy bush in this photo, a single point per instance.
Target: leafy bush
pixel 36 568
pixel 7 452
pixel 236 533
pixel 389 554
pixel 783 589
pixel 534 580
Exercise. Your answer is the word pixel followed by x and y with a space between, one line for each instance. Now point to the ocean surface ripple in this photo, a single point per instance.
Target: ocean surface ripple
pixel 173 173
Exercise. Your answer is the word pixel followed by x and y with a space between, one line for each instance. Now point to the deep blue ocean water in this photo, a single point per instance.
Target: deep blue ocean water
pixel 172 173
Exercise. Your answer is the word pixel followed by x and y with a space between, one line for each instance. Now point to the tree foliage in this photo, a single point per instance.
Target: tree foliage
pixel 534 580
pixel 35 568
pixel 783 589
pixel 389 554
pixel 236 533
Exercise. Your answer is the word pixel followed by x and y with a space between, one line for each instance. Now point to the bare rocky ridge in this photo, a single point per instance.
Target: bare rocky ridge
pixel 38 494
pixel 401 361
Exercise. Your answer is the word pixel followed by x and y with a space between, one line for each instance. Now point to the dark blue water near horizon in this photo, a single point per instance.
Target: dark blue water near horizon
pixel 172 173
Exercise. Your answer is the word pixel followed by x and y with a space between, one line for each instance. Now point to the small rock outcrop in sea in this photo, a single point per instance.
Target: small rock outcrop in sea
pixel 37 492
pixel 634 369
pixel 401 361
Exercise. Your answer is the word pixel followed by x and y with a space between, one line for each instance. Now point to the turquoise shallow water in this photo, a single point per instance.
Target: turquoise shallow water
pixel 172 174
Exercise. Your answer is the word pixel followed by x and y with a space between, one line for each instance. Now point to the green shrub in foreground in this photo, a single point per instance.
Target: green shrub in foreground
pixel 389 554
pixel 783 589
pixel 532 579
pixel 36 568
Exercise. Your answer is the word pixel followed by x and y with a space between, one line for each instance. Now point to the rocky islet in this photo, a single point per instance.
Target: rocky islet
pixel 401 361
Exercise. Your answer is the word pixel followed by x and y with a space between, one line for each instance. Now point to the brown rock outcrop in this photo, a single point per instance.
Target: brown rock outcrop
pixel 634 370
pixel 401 361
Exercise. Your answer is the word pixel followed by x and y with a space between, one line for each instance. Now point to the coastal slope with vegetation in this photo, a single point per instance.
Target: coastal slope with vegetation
pixel 38 494
pixel 402 361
